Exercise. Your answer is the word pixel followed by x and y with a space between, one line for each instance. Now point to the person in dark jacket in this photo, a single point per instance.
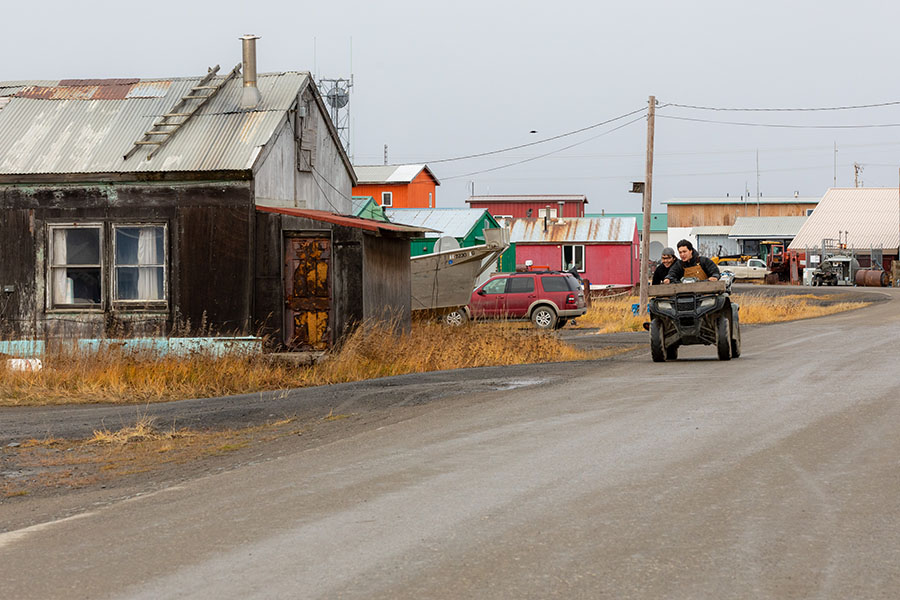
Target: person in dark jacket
pixel 691 265
pixel 666 260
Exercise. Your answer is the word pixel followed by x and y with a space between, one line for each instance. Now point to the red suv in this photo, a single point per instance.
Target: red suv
pixel 548 298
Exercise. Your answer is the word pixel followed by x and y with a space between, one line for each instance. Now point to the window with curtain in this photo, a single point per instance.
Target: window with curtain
pixel 140 263
pixel 76 265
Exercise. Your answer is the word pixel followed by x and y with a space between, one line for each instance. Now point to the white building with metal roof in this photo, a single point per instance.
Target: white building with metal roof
pixel 867 218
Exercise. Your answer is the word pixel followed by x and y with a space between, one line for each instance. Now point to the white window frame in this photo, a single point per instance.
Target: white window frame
pixel 387 199
pixel 113 265
pixel 562 250
pixel 543 211
pixel 52 266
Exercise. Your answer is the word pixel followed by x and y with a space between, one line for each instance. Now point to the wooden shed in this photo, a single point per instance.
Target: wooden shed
pixel 108 230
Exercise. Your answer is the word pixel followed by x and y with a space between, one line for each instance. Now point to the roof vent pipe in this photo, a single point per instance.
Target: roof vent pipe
pixel 250 95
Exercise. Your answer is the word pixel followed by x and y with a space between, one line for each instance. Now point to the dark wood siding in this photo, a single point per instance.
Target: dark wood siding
pixel 17 268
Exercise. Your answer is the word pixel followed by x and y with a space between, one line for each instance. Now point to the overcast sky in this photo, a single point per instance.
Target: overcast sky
pixel 435 82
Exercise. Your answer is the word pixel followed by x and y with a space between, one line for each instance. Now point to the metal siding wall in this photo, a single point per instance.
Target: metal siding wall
pixel 696 215
pixel 519 210
pixel 274 182
pixel 421 186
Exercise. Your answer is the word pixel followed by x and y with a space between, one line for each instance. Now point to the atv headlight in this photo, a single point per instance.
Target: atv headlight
pixel 707 303
pixel 664 305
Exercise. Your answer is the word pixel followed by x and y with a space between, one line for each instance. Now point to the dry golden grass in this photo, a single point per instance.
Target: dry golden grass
pixel 140 448
pixel 614 314
pixel 118 377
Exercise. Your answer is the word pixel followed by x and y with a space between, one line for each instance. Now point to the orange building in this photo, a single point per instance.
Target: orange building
pixel 398 186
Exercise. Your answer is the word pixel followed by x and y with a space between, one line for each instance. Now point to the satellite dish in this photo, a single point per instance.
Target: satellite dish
pixel 446 243
pixel 337 97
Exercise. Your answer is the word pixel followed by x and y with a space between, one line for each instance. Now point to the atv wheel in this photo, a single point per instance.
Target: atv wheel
pixel 723 337
pixel 543 317
pixel 672 352
pixel 736 339
pixel 657 341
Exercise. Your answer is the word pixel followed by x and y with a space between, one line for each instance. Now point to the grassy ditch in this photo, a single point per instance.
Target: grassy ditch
pixel 114 376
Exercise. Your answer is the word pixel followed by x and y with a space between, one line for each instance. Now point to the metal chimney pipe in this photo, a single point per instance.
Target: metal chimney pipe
pixel 250 95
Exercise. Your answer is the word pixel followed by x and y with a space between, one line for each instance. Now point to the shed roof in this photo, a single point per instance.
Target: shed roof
pixel 779 228
pixel 658 221
pixel 552 198
pixel 86 126
pixel 455 222
pixel 375 174
pixel 711 230
pixel 744 200
pixel 583 229
pixel 870 216
pixel 346 221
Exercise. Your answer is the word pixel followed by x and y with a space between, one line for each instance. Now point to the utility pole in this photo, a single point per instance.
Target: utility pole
pixel 648 201
pixel 385 154
pixel 835 164
pixel 757 182
pixel 857 169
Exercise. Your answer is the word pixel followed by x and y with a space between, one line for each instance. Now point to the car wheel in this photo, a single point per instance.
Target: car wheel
pixel 543 317
pixel 657 341
pixel 560 323
pixel 456 318
pixel 723 337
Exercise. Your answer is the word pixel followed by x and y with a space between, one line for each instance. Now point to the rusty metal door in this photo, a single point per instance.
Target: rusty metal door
pixel 307 285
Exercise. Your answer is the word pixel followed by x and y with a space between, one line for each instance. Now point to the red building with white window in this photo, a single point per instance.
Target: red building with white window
pixel 531 206
pixel 604 250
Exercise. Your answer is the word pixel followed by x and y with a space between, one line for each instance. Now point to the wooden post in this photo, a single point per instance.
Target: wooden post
pixel 648 200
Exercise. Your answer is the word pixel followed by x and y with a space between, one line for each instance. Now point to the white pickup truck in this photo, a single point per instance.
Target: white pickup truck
pixel 755 268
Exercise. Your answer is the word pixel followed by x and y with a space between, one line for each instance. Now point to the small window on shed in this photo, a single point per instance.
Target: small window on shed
pixel 387 198
pixel 76 267
pixel 573 256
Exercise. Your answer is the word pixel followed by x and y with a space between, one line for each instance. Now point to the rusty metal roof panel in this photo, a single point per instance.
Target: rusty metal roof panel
pixel 346 221
pixel 870 216
pixel 583 230
pixel 83 131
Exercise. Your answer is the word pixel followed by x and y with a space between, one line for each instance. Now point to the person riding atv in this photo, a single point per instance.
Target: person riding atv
pixel 691 265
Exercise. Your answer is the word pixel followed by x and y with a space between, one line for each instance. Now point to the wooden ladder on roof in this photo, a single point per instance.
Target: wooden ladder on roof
pixel 163 129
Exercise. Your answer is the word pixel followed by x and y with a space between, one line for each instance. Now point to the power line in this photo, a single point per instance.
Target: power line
pixel 817 109
pixel 543 141
pixel 641 118
pixel 781 125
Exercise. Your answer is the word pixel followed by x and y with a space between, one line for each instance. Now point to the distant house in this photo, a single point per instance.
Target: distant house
pixel 659 237
pixel 748 232
pixel 465 225
pixel 398 186
pixel 865 219
pixel 685 214
pixel 531 206
pixel 603 250
pixel 366 208
pixel 224 215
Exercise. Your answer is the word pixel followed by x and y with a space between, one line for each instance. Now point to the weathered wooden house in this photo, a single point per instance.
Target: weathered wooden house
pixel 138 205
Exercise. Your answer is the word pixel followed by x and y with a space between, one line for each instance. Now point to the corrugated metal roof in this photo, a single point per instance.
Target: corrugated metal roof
pixel 530 198
pixel 711 230
pixel 455 222
pixel 739 200
pixel 583 229
pixel 779 228
pixel 375 174
pixel 871 216
pixel 78 129
pixel 658 221
pixel 336 219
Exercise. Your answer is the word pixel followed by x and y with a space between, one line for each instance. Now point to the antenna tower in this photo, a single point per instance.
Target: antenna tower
pixel 337 96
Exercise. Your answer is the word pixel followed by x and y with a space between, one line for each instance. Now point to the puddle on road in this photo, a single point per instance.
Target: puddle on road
pixel 518 383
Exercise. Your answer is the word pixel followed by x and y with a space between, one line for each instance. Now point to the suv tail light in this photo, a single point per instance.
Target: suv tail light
pixel 570 299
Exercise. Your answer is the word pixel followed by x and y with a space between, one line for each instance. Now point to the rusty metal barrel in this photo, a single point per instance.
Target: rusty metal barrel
pixel 872 278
